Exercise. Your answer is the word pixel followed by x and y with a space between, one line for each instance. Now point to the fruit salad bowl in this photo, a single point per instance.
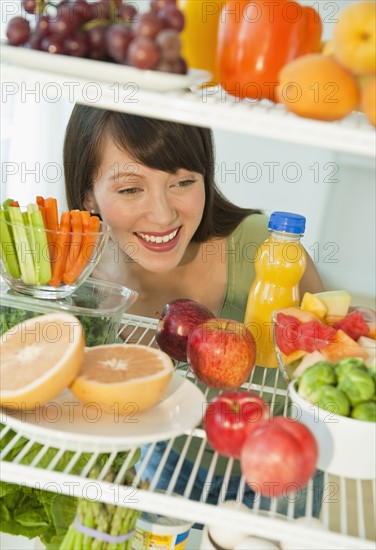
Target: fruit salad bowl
pixel 46 263
pixel 326 352
pixel 306 335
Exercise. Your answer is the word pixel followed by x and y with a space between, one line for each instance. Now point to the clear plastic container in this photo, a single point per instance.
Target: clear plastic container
pixel 97 304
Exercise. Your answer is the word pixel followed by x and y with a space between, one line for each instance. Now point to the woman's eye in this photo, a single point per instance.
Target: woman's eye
pixel 184 183
pixel 129 191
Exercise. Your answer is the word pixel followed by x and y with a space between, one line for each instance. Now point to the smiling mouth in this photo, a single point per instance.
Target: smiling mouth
pixel 158 239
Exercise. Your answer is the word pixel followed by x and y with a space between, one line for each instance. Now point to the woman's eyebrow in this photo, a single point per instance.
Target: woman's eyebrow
pixel 121 174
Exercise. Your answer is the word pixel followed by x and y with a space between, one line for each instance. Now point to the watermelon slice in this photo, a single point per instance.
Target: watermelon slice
pixel 354 325
pixel 292 335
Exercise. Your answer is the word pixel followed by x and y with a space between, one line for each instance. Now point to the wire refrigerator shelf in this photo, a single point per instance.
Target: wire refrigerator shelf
pixel 347 510
pixel 202 106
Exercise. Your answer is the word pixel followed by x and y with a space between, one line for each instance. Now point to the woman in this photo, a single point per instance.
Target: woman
pixel 173 234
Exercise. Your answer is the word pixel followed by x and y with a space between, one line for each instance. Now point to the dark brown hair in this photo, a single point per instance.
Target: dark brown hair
pixel 159 144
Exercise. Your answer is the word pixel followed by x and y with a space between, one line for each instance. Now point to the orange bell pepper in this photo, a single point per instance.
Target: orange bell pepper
pixel 256 38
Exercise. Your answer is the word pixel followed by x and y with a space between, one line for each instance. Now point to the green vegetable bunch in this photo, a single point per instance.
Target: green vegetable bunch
pixel 101 526
pixel 98 330
pixel 40 513
pixel 347 388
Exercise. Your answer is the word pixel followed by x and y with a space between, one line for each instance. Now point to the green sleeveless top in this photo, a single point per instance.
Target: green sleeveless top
pixel 241 248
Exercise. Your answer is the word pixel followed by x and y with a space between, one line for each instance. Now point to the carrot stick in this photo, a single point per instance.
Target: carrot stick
pixel 14 203
pixel 75 244
pixel 89 239
pixel 52 221
pixel 51 213
pixel 40 202
pixel 85 218
pixel 62 249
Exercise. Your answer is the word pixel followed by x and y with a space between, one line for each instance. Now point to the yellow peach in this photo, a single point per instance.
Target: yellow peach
pixel 317 86
pixel 354 37
pixel 368 100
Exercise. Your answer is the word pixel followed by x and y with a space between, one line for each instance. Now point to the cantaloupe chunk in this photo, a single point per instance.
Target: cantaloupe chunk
pixel 372 331
pixel 337 302
pixel 291 357
pixel 342 347
pixel 313 304
pixel 300 314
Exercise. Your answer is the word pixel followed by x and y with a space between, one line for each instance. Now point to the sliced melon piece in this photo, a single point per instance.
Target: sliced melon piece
pixel 342 347
pixel 291 357
pixel 337 303
pixel 313 304
pixel 301 315
pixel 369 345
pixel 307 361
pixel 372 331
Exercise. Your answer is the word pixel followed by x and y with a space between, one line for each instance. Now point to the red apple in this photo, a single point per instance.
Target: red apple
pixel 230 417
pixel 279 457
pixel 221 353
pixel 177 320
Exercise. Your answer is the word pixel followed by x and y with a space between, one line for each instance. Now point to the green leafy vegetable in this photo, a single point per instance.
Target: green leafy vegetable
pixel 35 512
pixel 98 330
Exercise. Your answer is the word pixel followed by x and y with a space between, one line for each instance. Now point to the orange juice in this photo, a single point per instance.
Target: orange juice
pixel 279 264
pixel 199 36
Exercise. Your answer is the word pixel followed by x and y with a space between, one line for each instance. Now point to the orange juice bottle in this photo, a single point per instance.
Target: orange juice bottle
pixel 279 264
pixel 199 36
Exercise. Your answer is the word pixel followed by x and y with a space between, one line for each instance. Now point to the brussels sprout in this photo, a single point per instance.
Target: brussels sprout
pixel 331 399
pixel 315 376
pixel 365 411
pixel 358 385
pixel 346 365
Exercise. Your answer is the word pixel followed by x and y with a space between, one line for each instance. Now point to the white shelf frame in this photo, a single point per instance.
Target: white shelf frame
pixel 210 108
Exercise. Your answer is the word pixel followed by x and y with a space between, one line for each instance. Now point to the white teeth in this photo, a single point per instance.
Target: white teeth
pixel 158 240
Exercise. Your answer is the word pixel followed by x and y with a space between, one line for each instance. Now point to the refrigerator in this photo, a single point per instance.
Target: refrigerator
pixel 266 158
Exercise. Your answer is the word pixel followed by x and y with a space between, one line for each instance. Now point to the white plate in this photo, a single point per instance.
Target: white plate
pixel 101 70
pixel 67 423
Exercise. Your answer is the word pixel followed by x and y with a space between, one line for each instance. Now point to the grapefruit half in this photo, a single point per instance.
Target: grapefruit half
pixel 121 378
pixel 39 358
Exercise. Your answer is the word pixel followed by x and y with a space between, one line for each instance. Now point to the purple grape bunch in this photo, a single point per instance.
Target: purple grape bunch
pixel 105 30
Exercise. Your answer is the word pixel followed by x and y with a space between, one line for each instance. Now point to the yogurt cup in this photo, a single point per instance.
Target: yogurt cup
pixel 156 531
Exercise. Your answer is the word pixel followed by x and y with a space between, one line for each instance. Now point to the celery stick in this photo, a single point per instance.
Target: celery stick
pixel 6 204
pixel 7 248
pixel 27 222
pixel 42 257
pixel 21 241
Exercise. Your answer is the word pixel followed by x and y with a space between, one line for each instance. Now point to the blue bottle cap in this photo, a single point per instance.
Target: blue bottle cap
pixel 287 222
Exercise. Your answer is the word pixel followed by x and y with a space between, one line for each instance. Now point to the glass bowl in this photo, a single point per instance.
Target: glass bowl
pixel 48 264
pixel 309 340
pixel 98 305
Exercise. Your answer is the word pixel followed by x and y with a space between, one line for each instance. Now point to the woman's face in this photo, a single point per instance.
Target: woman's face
pixel 153 215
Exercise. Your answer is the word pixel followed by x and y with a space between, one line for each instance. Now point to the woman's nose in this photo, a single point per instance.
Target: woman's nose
pixel 161 210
